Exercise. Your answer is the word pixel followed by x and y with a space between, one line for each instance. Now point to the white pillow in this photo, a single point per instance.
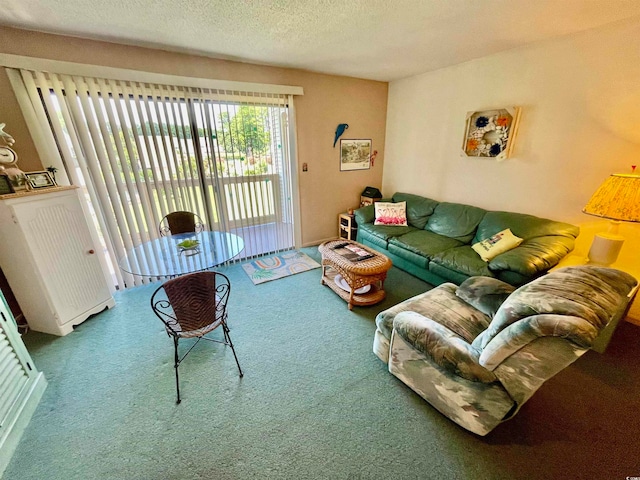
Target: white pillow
pixel 499 243
pixel 394 214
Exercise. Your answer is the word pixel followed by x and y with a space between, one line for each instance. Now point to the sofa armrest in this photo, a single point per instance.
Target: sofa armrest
pixel 534 256
pixel 524 372
pixel 447 349
pixel 365 214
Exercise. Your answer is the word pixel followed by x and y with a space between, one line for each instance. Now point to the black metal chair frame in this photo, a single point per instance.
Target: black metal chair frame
pixel 165 229
pixel 175 321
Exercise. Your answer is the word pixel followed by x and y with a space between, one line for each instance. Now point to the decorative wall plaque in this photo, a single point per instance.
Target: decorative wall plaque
pixel 491 133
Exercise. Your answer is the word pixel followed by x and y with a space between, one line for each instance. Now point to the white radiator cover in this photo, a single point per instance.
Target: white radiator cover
pixel 49 254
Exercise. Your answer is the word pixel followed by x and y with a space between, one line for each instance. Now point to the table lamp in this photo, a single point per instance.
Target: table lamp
pixel 618 199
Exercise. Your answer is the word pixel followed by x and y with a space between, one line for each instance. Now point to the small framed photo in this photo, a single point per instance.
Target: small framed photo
pixel 40 179
pixel 355 155
pixel 5 185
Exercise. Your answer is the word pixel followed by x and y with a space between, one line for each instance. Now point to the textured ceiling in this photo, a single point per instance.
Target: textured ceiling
pixel 374 39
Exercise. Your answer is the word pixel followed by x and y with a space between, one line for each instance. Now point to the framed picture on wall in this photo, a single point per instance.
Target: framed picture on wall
pixel 40 179
pixel 355 155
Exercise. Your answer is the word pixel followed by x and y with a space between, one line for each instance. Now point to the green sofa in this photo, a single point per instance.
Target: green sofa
pixel 436 244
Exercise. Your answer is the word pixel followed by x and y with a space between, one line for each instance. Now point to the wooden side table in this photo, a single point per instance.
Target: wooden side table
pixel 347 227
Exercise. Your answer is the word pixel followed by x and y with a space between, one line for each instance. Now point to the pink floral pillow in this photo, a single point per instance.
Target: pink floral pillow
pixel 394 214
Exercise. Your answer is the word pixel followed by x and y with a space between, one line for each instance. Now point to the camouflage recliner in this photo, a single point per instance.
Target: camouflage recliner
pixel 479 351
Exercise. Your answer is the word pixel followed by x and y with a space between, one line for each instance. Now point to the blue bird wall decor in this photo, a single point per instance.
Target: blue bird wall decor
pixel 339 131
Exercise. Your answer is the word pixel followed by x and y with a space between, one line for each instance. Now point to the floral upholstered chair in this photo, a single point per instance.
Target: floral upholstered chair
pixel 479 351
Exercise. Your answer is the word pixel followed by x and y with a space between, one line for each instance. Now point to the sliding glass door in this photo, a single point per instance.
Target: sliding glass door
pixel 142 151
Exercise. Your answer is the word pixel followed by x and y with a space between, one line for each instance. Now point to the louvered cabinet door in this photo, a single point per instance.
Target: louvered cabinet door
pixel 13 376
pixel 21 386
pixel 60 281
pixel 64 253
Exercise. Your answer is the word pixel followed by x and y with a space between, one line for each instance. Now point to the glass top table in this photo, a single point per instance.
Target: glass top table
pixel 163 257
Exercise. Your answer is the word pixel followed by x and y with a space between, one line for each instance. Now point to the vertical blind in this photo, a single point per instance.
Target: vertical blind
pixel 144 150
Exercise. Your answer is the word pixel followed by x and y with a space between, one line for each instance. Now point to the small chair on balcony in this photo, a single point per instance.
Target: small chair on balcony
pixel 179 222
pixel 192 306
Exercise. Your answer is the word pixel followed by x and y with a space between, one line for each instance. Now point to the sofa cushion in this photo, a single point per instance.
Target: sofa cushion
pixel 463 260
pixel 513 278
pixel 455 220
pixel 440 305
pixel 444 272
pixel 588 292
pixel 533 256
pixel 424 243
pixel 391 213
pixel 419 209
pixel 414 258
pixel 523 226
pixel 484 293
pixel 380 234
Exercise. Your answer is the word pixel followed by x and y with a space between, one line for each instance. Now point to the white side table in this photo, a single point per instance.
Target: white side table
pixel 347 227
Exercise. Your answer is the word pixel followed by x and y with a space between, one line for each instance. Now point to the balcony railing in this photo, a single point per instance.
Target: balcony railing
pixel 252 199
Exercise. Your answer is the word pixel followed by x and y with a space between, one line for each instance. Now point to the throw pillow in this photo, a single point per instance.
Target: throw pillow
pixel 391 214
pixel 484 293
pixel 499 243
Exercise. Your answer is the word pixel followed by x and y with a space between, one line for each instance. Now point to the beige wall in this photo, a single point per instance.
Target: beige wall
pixel 580 99
pixel 327 101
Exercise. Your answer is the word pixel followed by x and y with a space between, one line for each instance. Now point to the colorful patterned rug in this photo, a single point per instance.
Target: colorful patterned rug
pixel 279 266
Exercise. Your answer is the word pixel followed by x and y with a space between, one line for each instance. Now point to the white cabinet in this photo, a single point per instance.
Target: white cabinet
pixel 21 385
pixel 48 252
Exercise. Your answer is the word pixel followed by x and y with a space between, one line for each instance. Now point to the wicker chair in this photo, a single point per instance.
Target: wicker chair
pixel 180 222
pixel 192 306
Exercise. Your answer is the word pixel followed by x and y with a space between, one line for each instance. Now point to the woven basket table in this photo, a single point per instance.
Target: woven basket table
pixel 357 274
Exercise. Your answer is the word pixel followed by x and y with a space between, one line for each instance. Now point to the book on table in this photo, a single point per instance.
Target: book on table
pixel 354 253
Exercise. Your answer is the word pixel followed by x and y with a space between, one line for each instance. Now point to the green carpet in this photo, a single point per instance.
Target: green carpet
pixel 315 402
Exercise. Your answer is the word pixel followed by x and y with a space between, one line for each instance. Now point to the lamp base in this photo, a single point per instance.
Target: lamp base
pixel 605 249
